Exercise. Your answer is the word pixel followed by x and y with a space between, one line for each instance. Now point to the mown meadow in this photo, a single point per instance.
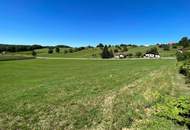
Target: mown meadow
pixel 87 94
pixel 14 57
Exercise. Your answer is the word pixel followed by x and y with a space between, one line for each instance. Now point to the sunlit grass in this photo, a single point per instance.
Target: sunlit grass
pixel 74 94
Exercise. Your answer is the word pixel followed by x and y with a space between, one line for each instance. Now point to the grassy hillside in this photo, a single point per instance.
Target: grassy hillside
pixel 70 94
pixel 163 53
pixel 87 53
pixel 95 52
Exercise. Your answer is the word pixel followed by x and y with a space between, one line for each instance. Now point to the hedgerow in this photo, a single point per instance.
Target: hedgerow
pixel 175 109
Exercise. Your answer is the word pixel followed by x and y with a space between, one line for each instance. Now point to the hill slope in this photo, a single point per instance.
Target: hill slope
pixel 95 52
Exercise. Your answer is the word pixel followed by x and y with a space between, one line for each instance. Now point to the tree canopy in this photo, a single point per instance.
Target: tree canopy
pixel 185 42
pixel 153 50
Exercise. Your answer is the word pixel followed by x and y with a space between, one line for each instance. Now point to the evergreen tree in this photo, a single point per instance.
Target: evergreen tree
pixel 184 42
pixel 111 54
pixel 106 53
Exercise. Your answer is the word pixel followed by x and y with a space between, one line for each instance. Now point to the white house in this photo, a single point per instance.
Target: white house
pixel 157 56
pixel 119 56
pixel 151 56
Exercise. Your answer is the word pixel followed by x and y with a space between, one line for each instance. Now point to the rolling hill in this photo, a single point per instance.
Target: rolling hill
pixel 95 52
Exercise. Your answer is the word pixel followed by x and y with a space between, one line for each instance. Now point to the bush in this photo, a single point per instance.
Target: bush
pixel 175 109
pixel 94 55
pixel 153 50
pixel 185 70
pixel 65 51
pixel 130 55
pixel 184 42
pixel 138 54
pixel 57 49
pixel 50 51
pixel 116 50
pixel 34 53
pixel 166 47
pixel 125 49
pixel 174 46
pixel 182 56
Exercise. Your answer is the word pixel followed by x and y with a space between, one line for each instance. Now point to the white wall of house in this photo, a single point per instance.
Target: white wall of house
pixel 151 56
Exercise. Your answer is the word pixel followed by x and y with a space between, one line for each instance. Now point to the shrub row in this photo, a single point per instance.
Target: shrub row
pixel 183 56
pixel 176 109
pixel 18 48
pixel 185 70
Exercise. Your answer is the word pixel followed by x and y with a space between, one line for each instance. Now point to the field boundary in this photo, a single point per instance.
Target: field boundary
pixel 12 58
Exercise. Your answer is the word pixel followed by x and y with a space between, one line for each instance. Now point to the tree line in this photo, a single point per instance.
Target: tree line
pixel 18 48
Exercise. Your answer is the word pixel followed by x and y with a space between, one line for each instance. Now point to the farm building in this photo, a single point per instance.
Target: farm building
pixel 119 56
pixel 151 56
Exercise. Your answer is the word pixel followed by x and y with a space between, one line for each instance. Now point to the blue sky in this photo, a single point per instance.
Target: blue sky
pixel 88 22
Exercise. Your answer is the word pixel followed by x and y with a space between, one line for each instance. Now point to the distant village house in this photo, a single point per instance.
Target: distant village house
pixel 120 56
pixel 151 56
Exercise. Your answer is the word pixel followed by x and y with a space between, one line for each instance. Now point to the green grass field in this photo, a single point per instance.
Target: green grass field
pixel 87 94
pixel 13 57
